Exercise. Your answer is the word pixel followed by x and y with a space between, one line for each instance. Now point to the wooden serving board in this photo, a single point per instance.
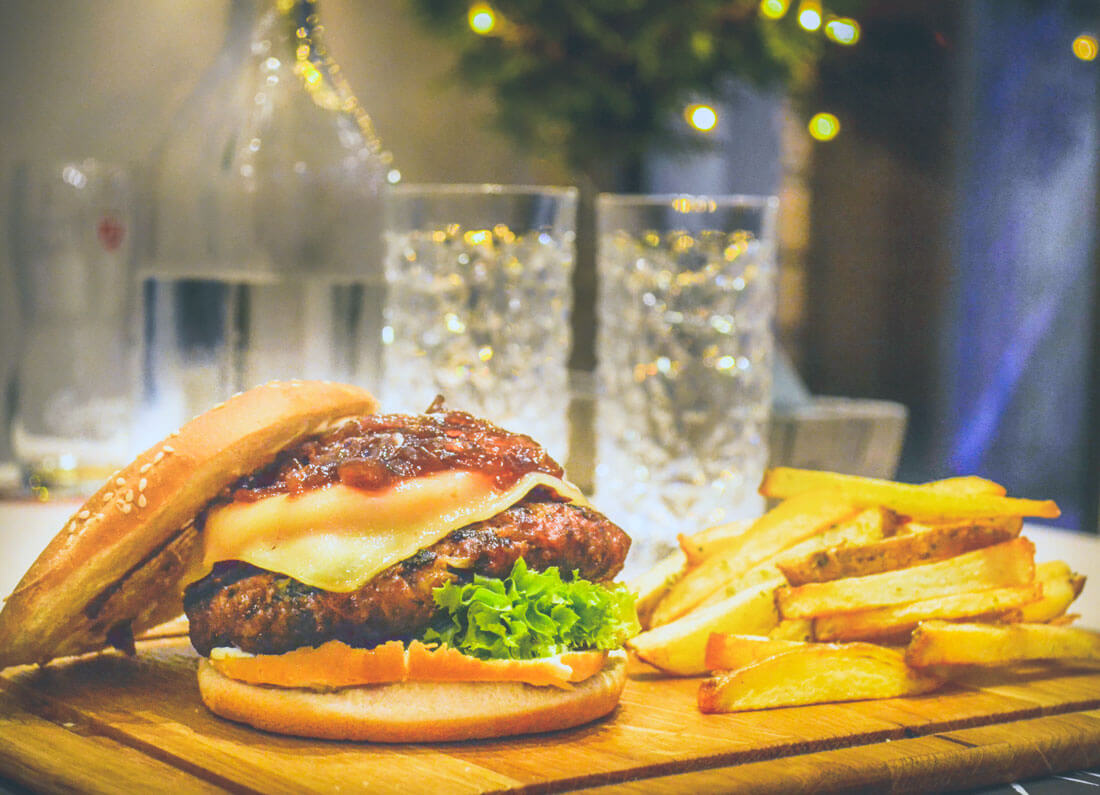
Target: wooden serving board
pixel 111 723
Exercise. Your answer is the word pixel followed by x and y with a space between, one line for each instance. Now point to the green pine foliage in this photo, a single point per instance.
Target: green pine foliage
pixel 596 80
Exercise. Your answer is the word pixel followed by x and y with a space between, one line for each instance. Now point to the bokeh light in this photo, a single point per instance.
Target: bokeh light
pixel 824 126
pixel 843 30
pixel 702 117
pixel 1086 47
pixel 809 14
pixel 773 9
pixel 482 19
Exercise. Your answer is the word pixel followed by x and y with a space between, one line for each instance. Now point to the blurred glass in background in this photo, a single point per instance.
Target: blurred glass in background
pixel 480 293
pixel 71 233
pixel 686 304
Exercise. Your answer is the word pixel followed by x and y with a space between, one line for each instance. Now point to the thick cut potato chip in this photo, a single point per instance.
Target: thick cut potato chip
pixel 892 622
pixel 937 542
pixel 1061 586
pixel 680 647
pixel 651 586
pixel 736 651
pixel 916 502
pixel 1006 564
pixel 967 484
pixel 814 674
pixel 943 643
pixel 780 528
pixel 793 629
pixel 698 546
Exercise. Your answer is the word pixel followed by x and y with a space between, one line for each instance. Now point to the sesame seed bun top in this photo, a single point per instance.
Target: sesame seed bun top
pixel 116 568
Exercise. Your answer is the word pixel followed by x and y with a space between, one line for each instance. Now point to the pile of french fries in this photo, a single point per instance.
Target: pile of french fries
pixel 856 588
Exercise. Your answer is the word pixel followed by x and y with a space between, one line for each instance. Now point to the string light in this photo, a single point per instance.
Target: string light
pixel 773 9
pixel 824 126
pixel 702 117
pixel 1086 47
pixel 809 14
pixel 842 30
pixel 482 19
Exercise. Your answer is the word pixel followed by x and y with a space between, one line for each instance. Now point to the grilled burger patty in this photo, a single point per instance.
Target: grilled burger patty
pixel 262 612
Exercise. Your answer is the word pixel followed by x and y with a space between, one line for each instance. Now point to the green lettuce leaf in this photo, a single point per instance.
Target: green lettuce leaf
pixel 532 614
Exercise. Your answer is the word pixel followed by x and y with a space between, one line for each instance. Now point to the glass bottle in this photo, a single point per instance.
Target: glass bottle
pixel 264 257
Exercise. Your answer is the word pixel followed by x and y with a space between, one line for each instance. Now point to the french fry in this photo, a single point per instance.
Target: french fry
pixel 680 647
pixel 793 629
pixel 916 502
pixel 891 622
pixel 1064 620
pixel 763 573
pixel 967 484
pixel 814 674
pixel 944 643
pixel 937 542
pixel 1006 564
pixel 728 652
pixel 1061 587
pixel 698 547
pixel 652 585
pixel 865 527
pixel 780 528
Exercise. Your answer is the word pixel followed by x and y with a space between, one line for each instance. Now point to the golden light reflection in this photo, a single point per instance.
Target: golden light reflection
pixel 702 117
pixel 843 30
pixel 454 323
pixel 504 234
pixel 1086 47
pixel 482 19
pixel 477 237
pixel 824 126
pixel 773 9
pixel 689 204
pixel 809 14
pixel 683 243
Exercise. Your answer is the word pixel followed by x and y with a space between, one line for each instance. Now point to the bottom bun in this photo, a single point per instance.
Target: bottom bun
pixel 415 711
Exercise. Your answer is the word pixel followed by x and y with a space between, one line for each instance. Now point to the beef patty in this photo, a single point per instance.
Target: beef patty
pixel 261 612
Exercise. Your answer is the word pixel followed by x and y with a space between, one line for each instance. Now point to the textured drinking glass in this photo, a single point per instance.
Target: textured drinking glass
pixel 478 304
pixel 71 244
pixel 686 302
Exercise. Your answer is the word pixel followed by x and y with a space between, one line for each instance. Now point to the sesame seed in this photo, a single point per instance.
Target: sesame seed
pixel 158 456
pixel 142 484
pixel 107 496
pixel 126 507
pixel 145 468
pixel 98 516
pixel 71 528
pixel 141 501
pixel 129 495
pixel 120 482
pixel 83 514
pixel 169 449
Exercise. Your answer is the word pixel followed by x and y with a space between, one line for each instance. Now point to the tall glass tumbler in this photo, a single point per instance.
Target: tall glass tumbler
pixel 71 233
pixel 687 294
pixel 478 303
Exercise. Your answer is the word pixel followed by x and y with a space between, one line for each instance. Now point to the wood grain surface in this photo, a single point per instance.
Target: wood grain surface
pixel 111 723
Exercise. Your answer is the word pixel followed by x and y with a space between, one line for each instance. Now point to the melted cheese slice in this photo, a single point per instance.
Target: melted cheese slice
pixel 338 537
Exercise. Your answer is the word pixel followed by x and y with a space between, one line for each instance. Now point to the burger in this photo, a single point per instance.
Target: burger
pixel 347 574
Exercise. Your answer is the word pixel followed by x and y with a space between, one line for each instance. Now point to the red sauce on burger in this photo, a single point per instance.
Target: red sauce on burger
pixel 379 451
